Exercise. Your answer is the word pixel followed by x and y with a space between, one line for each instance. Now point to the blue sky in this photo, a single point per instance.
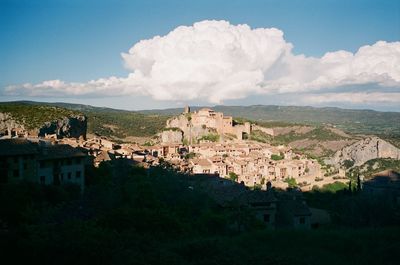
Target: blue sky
pixel 77 41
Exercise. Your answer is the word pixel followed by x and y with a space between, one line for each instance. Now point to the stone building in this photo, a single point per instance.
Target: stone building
pixel 207 121
pixel 41 162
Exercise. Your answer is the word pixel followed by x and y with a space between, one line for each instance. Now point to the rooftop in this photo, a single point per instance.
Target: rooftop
pixel 17 146
pixel 59 151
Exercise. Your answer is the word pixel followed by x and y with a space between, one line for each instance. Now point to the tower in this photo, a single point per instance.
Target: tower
pixel 186 109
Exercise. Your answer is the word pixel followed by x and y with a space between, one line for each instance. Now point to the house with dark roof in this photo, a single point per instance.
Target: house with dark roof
pixel 42 162
pixel 61 164
pixel 18 160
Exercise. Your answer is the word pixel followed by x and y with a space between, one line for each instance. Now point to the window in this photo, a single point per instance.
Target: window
pixel 62 176
pixel 266 218
pixel 69 162
pixel 69 175
pixel 42 180
pixel 16 173
pixel 302 220
pixel 77 161
pixel 78 174
pixel 42 164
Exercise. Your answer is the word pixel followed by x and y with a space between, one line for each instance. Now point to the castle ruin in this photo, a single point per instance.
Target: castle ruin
pixel 205 121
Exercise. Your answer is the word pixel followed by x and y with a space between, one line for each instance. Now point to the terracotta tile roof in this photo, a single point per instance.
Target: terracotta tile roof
pixel 204 163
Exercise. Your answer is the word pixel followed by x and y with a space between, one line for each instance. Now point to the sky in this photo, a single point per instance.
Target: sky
pixel 159 54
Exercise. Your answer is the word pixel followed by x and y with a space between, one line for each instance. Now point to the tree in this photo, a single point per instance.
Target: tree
pixel 291 182
pixel 348 163
pixel 276 157
pixel 358 183
pixel 233 176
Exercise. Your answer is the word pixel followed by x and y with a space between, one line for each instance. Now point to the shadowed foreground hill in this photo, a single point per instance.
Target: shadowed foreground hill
pixel 130 215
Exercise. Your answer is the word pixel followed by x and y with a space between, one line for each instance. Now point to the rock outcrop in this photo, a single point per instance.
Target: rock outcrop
pixel 8 125
pixel 172 136
pixel 74 126
pixel 364 150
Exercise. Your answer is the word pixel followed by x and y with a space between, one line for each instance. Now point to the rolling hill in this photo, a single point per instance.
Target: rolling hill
pixel 122 124
pixel 349 120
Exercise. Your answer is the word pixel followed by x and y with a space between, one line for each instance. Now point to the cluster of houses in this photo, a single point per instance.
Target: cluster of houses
pixel 253 164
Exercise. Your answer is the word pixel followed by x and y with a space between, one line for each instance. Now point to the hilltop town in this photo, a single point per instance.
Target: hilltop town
pixel 200 142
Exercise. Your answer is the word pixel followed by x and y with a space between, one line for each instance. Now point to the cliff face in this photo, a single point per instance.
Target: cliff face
pixel 8 123
pixel 366 149
pixel 171 136
pixel 75 126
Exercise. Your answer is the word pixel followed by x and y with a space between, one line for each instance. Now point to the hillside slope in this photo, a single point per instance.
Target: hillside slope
pixel 365 150
pixel 288 121
pixel 117 124
pixel 350 120
pixel 34 116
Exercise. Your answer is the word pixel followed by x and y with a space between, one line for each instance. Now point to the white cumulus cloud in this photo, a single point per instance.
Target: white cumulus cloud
pixel 216 61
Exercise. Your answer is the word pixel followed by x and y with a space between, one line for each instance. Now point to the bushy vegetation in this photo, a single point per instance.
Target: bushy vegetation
pixel 291 182
pixel 277 157
pixel 374 166
pixel 233 176
pixel 34 116
pixel 348 163
pixel 103 121
pixel 259 136
pixel 209 137
pixel 334 187
pixel 124 123
pixel 319 133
